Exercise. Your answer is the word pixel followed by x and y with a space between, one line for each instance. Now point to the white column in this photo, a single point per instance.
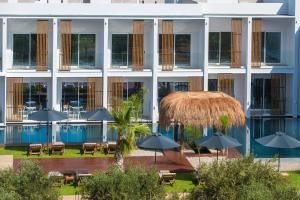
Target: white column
pixel 296 65
pixel 4 44
pixel 154 76
pixel 205 67
pixel 105 62
pixel 248 138
pixel 247 101
pixel 55 61
pixel 106 65
pixel 4 63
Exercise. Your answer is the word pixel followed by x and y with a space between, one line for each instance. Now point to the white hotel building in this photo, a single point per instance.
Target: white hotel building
pixel 77 55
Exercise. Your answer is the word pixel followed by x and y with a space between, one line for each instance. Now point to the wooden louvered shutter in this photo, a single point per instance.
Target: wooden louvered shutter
pixel 167 46
pixel 115 92
pixel 236 42
pixel 42 46
pixel 226 84
pixel 138 45
pixel 195 84
pixel 66 45
pixel 14 100
pixel 256 42
pixel 94 93
pixel 278 94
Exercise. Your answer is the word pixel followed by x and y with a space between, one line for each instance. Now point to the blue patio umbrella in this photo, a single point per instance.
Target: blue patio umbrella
pixel 47 116
pixel 218 141
pixel 279 140
pixel 157 142
pixel 99 114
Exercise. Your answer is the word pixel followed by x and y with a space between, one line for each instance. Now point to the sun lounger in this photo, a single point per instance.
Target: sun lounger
pixel 35 149
pixel 109 147
pixel 82 175
pixel 58 148
pixel 89 148
pixel 166 177
pixel 56 178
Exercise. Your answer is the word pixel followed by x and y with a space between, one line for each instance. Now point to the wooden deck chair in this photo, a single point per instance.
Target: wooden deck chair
pixel 35 149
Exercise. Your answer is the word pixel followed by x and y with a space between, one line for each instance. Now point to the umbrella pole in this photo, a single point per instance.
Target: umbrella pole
pixel 47 127
pixel 217 155
pixel 199 154
pixel 155 157
pixel 279 160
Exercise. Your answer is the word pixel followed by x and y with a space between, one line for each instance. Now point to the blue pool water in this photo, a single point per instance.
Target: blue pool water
pixel 80 133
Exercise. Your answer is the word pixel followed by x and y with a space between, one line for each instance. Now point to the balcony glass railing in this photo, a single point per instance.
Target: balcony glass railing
pixel 125 61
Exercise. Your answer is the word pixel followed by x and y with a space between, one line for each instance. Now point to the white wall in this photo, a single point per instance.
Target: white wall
pixel 2 98
pixel 89 26
pixel 25 26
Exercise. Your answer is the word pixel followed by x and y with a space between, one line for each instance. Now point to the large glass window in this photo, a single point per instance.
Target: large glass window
pixel 271 47
pixel 74 98
pixel 83 50
pixel 24 50
pixel 130 88
pixel 34 97
pixel 121 50
pixel 213 85
pixel 220 47
pixel 182 49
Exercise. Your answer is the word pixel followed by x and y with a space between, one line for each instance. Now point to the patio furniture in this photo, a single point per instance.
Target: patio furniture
pixel 89 148
pixel 58 148
pixel 56 178
pixel 80 176
pixel 35 149
pixel 70 177
pixel 166 177
pixel 110 147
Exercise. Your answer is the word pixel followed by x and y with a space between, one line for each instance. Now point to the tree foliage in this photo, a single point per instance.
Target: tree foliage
pixel 241 179
pixel 26 183
pixel 135 183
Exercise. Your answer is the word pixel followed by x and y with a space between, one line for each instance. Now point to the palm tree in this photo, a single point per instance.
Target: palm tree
pixel 127 130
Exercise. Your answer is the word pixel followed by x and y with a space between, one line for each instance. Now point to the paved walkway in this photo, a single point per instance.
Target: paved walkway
pixel 286 164
pixel 6 162
pixel 172 160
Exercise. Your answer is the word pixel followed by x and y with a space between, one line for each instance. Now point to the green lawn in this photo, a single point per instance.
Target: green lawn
pixel 68 189
pixel 183 183
pixel 70 152
pixel 294 179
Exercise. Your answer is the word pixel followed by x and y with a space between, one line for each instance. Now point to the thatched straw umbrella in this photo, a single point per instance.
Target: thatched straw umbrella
pixel 200 109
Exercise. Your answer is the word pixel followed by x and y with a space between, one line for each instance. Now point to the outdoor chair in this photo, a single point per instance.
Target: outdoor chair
pixel 166 177
pixel 56 178
pixel 70 177
pixel 109 147
pixel 35 149
pixel 89 148
pixel 81 176
pixel 58 148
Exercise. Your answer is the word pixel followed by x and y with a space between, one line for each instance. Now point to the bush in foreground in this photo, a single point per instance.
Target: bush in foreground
pixel 26 183
pixel 241 179
pixel 135 183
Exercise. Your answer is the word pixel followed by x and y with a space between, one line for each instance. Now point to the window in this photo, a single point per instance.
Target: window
pixel 130 88
pixel 165 88
pixel 83 48
pixel 34 96
pixel 213 85
pixel 121 50
pixel 24 50
pixel 220 47
pixel 74 96
pixel 271 47
pixel 182 49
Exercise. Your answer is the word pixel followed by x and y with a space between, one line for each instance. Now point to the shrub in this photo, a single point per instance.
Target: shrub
pixel 135 183
pixel 26 183
pixel 241 179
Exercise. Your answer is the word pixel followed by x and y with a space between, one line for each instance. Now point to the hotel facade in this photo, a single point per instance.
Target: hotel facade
pixel 77 55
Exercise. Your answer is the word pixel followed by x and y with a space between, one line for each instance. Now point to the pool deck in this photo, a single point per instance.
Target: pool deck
pixel 172 160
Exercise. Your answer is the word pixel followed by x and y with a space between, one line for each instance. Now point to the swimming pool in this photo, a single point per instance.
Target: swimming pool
pixel 80 133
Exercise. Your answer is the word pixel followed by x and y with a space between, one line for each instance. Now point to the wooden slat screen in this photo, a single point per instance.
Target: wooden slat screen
pixel 195 84
pixel 167 45
pixel 42 46
pixel 278 94
pixel 236 42
pixel 14 100
pixel 256 42
pixel 66 45
pixel 94 94
pixel 226 84
pixel 115 92
pixel 138 45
